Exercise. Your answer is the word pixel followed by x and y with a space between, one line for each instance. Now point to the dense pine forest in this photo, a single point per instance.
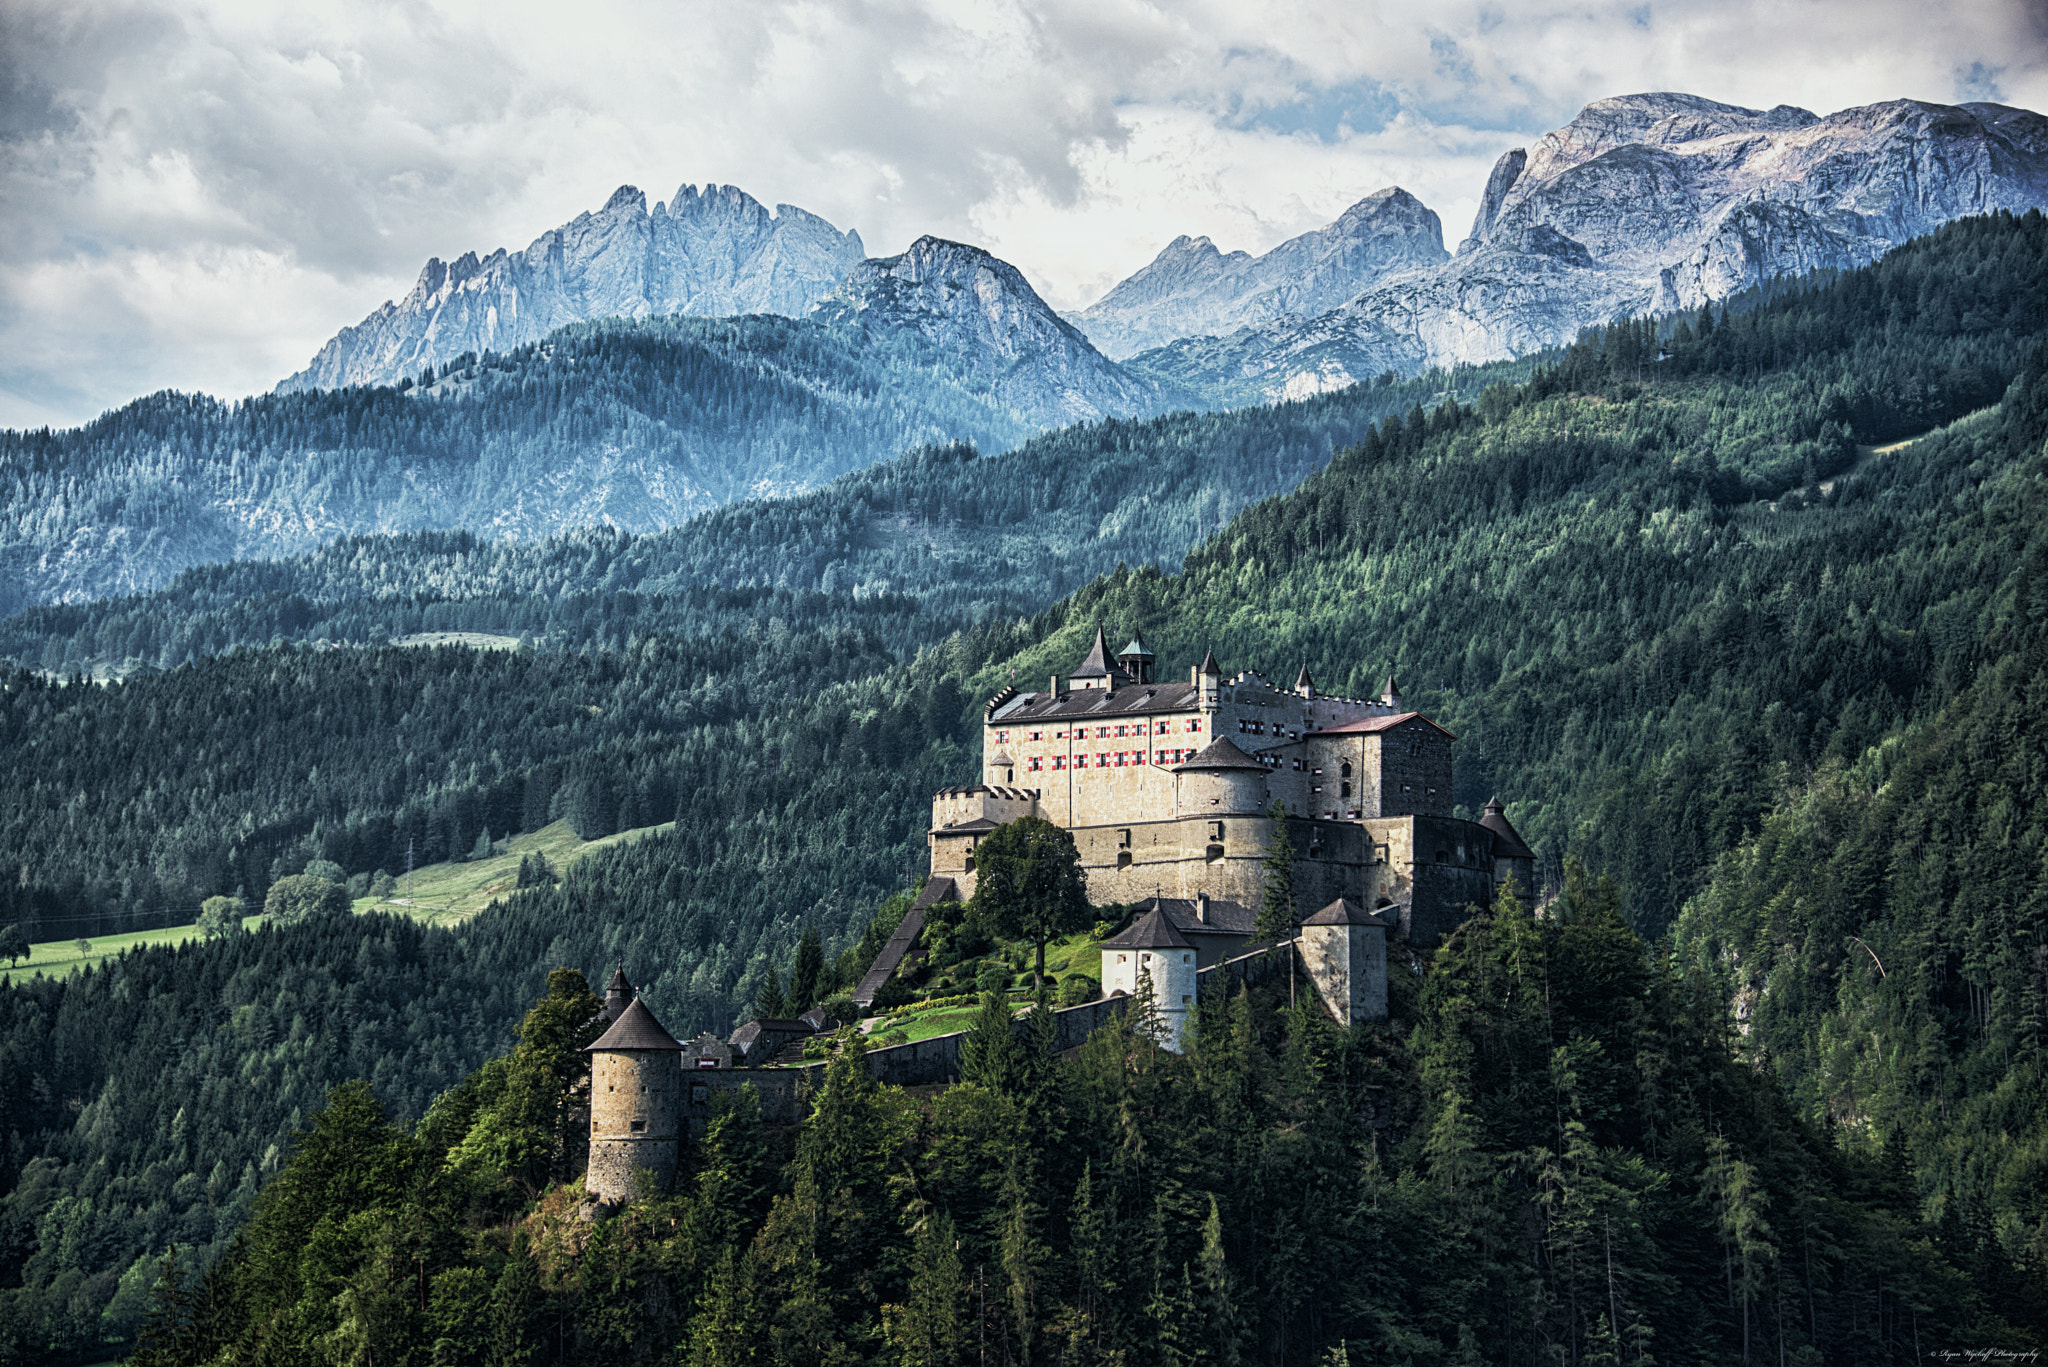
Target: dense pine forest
pixel 939 538
pixel 1548 1154
pixel 1740 609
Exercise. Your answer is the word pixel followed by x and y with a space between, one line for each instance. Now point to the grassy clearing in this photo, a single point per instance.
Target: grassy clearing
pixel 60 958
pixel 449 894
pixel 442 895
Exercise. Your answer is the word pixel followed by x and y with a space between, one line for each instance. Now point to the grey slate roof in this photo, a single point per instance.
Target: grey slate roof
pixel 1220 753
pixel 636 1028
pixel 1225 918
pixel 1150 931
pixel 1507 841
pixel 1209 665
pixel 1368 725
pixel 1097 665
pixel 1345 912
pixel 1128 700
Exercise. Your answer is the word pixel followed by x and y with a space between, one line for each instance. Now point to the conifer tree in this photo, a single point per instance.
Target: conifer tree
pixel 1277 912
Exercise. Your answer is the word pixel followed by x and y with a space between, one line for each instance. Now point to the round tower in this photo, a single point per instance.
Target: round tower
pixel 1152 951
pixel 1221 780
pixel 636 1105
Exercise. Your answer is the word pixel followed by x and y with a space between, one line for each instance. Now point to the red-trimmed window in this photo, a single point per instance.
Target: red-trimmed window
pixel 1194 723
pixel 1034 764
pixel 1059 762
pixel 1101 761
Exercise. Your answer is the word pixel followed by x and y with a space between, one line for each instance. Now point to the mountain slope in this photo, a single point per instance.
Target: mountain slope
pixel 1647 203
pixel 1190 289
pixel 911 548
pixel 1003 338
pixel 632 424
pixel 714 254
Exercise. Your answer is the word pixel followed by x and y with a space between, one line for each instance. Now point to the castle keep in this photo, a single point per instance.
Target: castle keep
pixel 1167 787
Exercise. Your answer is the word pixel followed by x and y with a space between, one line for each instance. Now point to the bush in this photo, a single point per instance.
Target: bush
pixel 1077 988
pixel 994 977
pixel 839 1009
pixel 301 897
pixel 220 917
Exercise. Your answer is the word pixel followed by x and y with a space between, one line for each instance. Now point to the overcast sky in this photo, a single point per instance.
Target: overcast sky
pixel 197 195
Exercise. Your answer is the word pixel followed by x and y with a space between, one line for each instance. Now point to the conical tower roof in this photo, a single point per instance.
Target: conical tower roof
pixel 1303 684
pixel 1345 912
pixel 635 1029
pixel 1220 753
pixel 1096 666
pixel 1507 841
pixel 1150 931
pixel 618 994
pixel 1209 665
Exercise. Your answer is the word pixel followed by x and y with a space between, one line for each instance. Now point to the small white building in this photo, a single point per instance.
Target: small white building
pixel 1152 950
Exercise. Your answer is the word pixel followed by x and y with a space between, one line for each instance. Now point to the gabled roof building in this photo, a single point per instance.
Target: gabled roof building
pixel 1167 788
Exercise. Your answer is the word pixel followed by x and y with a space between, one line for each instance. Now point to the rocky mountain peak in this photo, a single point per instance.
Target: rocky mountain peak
pixel 1192 289
pixel 715 252
pixel 1651 203
pixel 982 313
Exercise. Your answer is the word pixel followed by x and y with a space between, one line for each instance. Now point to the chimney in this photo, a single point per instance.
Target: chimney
pixel 1202 907
pixel 1054 686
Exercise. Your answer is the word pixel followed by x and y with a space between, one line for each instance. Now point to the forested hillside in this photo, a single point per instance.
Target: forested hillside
pixel 911 547
pixel 635 423
pixel 1549 1153
pixel 1685 614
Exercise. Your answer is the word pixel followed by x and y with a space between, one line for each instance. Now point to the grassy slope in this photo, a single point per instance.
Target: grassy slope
pixel 449 894
pixel 442 895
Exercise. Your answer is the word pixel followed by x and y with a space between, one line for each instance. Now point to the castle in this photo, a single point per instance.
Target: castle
pixel 1167 790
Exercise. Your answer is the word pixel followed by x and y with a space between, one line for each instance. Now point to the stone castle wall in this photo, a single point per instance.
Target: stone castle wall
pixel 635 1121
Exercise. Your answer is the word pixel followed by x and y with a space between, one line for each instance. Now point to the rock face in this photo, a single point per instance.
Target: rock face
pixel 1191 289
pixel 998 334
pixel 1646 203
pixel 714 254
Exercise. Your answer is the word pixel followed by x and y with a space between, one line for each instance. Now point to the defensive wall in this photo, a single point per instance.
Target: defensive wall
pixel 782 1091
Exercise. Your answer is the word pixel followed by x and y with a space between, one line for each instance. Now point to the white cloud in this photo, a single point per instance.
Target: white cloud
pixel 198 194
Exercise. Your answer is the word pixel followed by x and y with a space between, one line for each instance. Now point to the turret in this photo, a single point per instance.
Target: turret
pixel 1344 948
pixel 1390 696
pixel 1096 671
pixel 1136 660
pixel 618 995
pixel 1208 680
pixel 1152 951
pixel 1220 780
pixel 1304 686
pixel 636 1105
pixel 1512 857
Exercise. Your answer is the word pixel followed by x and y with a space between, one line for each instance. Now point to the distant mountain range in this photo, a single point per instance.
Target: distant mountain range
pixel 566 385
pixel 1192 289
pixel 1642 204
pixel 714 254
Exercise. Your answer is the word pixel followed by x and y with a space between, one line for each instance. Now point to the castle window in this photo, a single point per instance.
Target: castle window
pixel 1187 959
pixel 1317 788
pixel 1002 737
pixel 1215 830
pixel 1038 735
pixel 1346 770
pixel 1101 761
pixel 1347 788
pixel 1123 859
pixel 1120 756
pixel 1059 762
pixel 1123 838
pixel 638 1126
pixel 1185 999
pixel 1195 724
pixel 1215 854
pixel 1033 764
pixel 1102 733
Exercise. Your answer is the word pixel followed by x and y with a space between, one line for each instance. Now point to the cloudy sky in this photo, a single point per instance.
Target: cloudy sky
pixel 196 195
